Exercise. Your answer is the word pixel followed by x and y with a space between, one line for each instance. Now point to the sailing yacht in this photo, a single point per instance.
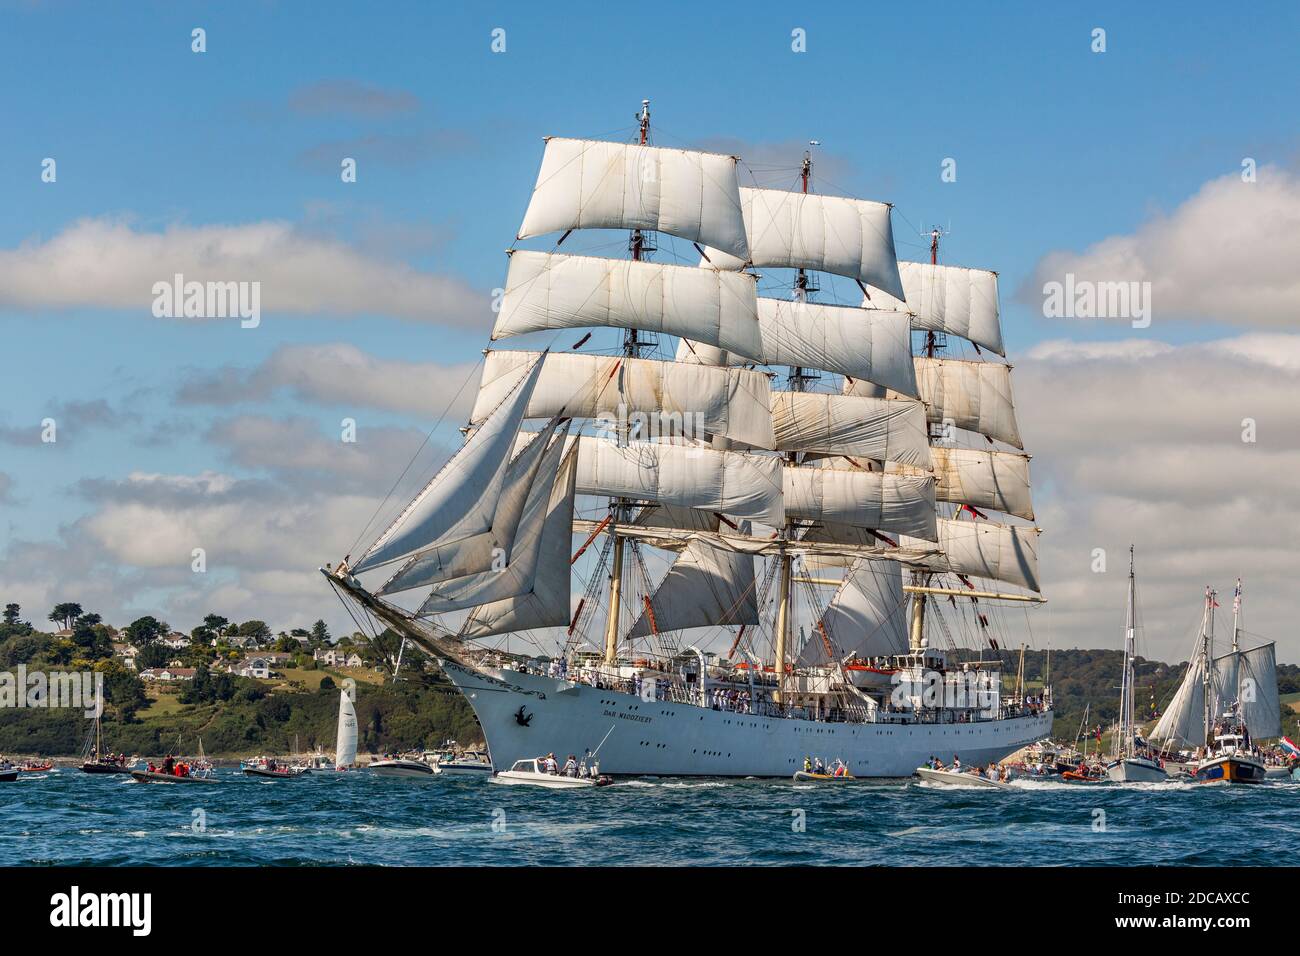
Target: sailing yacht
pixel 1222 702
pixel 837 447
pixel 1134 762
pixel 93 758
pixel 345 745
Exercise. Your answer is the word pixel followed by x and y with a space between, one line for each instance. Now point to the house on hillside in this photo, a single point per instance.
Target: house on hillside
pixel 167 673
pixel 258 667
pixel 175 641
pixel 336 657
pixel 126 653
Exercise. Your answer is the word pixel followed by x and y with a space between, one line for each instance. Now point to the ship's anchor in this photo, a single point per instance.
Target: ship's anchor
pixel 523 719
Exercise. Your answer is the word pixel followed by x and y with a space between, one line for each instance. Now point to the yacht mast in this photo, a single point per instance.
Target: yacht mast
pixel 1126 688
pixel 619 508
pixel 1207 656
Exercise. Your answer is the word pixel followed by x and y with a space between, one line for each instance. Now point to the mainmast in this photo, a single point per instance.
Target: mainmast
pixel 620 508
pixel 1126 689
pixel 1207 658
pixel 803 287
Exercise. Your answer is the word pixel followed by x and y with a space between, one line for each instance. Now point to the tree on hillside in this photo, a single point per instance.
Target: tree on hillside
pixel 145 630
pixel 320 634
pixel 88 620
pixel 13 613
pixel 214 622
pixel 65 613
pixel 258 630
pixel 152 655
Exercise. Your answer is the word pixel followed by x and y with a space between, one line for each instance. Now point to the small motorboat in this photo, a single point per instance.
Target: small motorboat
pixel 403 767
pixel 8 772
pixel 271 769
pixel 33 766
pixel 1085 774
pixel 961 778
pixel 808 776
pixel 529 773
pixel 468 763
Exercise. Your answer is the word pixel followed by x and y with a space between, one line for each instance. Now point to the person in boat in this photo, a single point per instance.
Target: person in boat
pixel 818 766
pixel 571 766
pixel 807 764
pixel 549 764
pixel 168 765
pixel 956 764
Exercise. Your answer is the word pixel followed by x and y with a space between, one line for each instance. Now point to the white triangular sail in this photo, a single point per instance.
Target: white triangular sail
pixel 462 497
pixel 949 299
pixel 705 586
pixel 556 291
pixel 479 553
pixel 985 549
pixel 899 504
pixel 836 234
pixel 546 602
pixel 514 576
pixel 983 479
pixel 345 743
pixel 866 617
pixel 871 428
pixel 975 396
pixel 668 397
pixel 588 184
pixel 1184 719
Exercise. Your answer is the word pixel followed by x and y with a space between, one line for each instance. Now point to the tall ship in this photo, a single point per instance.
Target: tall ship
pixel 1225 704
pixel 753 487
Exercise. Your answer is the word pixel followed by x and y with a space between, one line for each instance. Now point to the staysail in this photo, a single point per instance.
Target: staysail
pixel 1250 679
pixel 462 497
pixel 866 617
pixel 705 586
pixel 1184 718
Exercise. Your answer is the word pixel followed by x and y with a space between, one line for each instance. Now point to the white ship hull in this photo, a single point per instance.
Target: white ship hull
pixel 669 739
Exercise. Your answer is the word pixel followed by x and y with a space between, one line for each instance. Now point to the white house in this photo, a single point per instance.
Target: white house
pixel 175 640
pixel 167 673
pixel 335 657
pixel 258 667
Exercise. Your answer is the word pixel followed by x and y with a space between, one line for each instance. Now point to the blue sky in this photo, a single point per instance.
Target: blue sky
pixel 1057 148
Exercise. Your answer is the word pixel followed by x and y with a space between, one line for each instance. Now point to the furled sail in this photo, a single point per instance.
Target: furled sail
pixel 846 237
pixel 972 395
pixel 901 504
pixel 866 617
pixel 345 743
pixel 479 553
pixel 555 291
pixel 985 549
pixel 546 602
pixel 948 299
pixel 1250 678
pixel 873 428
pixel 514 576
pixel 983 479
pixel 1184 718
pixel 670 397
pixel 674 516
pixel 462 497
pixel 705 586
pixel 692 476
pixel 587 184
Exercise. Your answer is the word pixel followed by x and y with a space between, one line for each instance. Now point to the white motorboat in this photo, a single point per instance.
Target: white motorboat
pixel 963 778
pixel 1137 769
pixel 402 767
pixel 529 773
pixel 469 763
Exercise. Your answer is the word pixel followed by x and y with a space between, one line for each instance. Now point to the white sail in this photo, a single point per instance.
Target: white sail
pixel 462 497
pixel 866 617
pixel 674 516
pixel 587 184
pixel 513 576
pixel 983 479
pixel 1184 718
pixel 555 291
pixel 479 553
pixel 670 397
pixel 345 744
pixel 1250 679
pixel 546 602
pixel 705 586
pixel 975 396
pixel 846 237
pixel 985 549
pixel 948 299
pixel 899 504
pixel 872 428
pixel 691 476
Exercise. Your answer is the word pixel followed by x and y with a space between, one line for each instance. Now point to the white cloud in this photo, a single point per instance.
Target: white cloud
pixel 102 263
pixel 1227 254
